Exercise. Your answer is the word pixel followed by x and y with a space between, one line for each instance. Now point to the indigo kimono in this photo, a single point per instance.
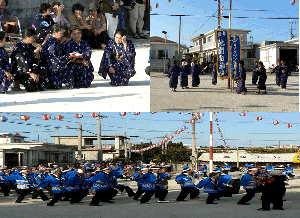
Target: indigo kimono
pixel 122 61
pixel 55 61
pixel 254 75
pixel 42 26
pixel 173 75
pixel 214 75
pixel 82 75
pixel 284 76
pixel 261 85
pixel 278 74
pixel 242 78
pixel 185 71
pixel 4 67
pixel 23 62
pixel 195 75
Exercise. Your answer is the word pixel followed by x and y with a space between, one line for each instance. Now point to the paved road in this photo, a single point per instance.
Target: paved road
pixel 99 97
pixel 125 207
pixel 219 98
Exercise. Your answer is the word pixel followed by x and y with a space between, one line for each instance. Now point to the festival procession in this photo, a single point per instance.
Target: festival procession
pixel 199 57
pixel 150 158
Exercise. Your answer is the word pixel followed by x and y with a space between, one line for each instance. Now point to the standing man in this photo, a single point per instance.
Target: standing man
pixel 148 181
pixel 173 75
pixel 112 10
pixel 254 74
pixel 284 74
pixel 210 185
pixel 242 79
pixel 278 73
pixel 136 177
pixel 214 74
pixel 250 185
pixel 186 181
pixel 162 190
pixel 137 19
pixel 80 185
pixel 185 71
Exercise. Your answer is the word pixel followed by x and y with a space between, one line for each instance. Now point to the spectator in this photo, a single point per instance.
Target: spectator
pixel 99 37
pixel 6 78
pixel 59 18
pixel 43 22
pixel 3 11
pixel 112 10
pixel 78 20
pixel 137 19
pixel 9 23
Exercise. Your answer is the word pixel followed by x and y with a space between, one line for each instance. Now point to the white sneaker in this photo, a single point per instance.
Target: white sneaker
pixel 164 201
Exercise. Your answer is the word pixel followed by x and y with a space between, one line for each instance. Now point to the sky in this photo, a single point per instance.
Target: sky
pixel 202 10
pixel 237 130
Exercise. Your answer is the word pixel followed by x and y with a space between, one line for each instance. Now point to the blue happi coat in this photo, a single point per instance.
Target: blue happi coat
pixel 161 177
pixel 79 183
pixel 3 180
pixel 82 75
pixel 42 26
pixel 289 169
pixel 185 180
pixel 67 176
pixel 136 177
pixel 247 181
pixel 173 73
pixel 35 180
pixel 55 61
pixel 242 79
pixel 148 182
pixel 123 65
pixel 4 67
pixel 95 181
pixel 57 185
pixel 18 180
pixel 227 167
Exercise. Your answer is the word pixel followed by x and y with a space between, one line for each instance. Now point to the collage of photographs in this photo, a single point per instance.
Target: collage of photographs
pixel 216 84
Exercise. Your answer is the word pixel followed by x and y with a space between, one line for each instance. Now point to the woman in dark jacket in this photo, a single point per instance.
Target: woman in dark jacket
pixel 262 78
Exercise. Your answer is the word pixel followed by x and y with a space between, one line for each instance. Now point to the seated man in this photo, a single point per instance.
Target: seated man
pixel 25 63
pixel 6 77
pixel 99 38
pixel 43 22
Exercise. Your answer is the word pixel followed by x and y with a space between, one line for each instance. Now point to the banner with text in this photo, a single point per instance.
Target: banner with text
pixel 222 57
pixel 235 56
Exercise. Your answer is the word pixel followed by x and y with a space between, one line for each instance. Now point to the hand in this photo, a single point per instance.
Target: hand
pixel 35 77
pixel 124 41
pixel 9 75
pixel 116 6
pixel 38 48
pixel 61 7
pixel 101 182
pixel 112 70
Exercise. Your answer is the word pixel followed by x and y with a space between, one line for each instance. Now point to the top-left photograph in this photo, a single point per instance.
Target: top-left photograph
pixel 74 55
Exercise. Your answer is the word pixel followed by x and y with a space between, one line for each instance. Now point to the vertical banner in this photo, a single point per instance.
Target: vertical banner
pixel 235 56
pixel 222 57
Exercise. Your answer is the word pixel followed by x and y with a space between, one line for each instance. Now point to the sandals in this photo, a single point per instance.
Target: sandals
pixel 142 36
pixel 136 36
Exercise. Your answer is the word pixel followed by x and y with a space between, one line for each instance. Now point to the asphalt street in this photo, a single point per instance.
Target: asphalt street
pixel 126 207
pixel 208 97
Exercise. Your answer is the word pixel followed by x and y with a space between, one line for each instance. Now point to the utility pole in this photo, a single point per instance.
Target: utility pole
pixel 229 56
pixel 291 28
pixel 179 55
pixel 79 156
pixel 238 156
pixel 164 32
pixel 219 14
pixel 193 138
pixel 100 151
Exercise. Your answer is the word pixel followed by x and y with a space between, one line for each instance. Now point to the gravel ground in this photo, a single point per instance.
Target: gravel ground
pixel 208 97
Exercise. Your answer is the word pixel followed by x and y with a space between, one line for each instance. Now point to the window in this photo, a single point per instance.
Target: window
pixel 161 54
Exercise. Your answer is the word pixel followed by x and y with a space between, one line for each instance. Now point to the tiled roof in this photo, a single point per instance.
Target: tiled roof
pixel 159 39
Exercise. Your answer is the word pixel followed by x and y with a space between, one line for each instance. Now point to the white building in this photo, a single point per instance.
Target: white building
pixel 272 51
pixel 205 50
pixel 14 151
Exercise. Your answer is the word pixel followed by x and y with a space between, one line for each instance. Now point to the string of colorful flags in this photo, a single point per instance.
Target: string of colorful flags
pixel 219 129
pixel 196 117
pixel 156 5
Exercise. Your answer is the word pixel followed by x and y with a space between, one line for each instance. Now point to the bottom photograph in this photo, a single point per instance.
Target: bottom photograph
pixel 149 164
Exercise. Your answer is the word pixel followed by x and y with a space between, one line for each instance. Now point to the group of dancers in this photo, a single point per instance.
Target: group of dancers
pixel 78 181
pixel 259 74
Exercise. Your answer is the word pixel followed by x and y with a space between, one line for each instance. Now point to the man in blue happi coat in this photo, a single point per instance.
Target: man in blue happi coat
pixel 250 185
pixel 56 181
pixel 148 182
pixel 289 170
pixel 6 185
pixel 80 185
pixel 186 181
pixel 102 184
pixel 162 190
pixel 136 178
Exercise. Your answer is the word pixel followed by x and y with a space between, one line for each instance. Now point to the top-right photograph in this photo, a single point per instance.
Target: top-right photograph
pixel 224 55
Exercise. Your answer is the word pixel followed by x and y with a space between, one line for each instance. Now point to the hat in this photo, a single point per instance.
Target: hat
pixel 23 171
pixel 93 6
pixel 145 168
pixel 79 171
pixel 185 167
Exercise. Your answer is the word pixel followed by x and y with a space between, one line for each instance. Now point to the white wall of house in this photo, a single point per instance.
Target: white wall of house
pixel 157 50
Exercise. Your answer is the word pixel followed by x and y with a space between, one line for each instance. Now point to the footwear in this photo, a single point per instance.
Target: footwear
pixel 18 202
pixel 261 209
pixel 187 87
pixel 211 203
pixel 163 201
pixel 180 200
pixel 142 36
pixel 65 199
pixel 182 87
pixel 111 202
pixel 143 203
pixel 94 204
pixel 277 208
pixel 243 203
pixel 136 36
pixel 49 204
pixel 16 89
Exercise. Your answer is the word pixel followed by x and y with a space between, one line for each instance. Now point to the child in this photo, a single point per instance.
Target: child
pixel 6 78
pixel 173 75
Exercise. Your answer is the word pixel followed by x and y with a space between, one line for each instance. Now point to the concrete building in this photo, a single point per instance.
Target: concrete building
pixel 89 149
pixel 14 151
pixel 271 51
pixel 157 52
